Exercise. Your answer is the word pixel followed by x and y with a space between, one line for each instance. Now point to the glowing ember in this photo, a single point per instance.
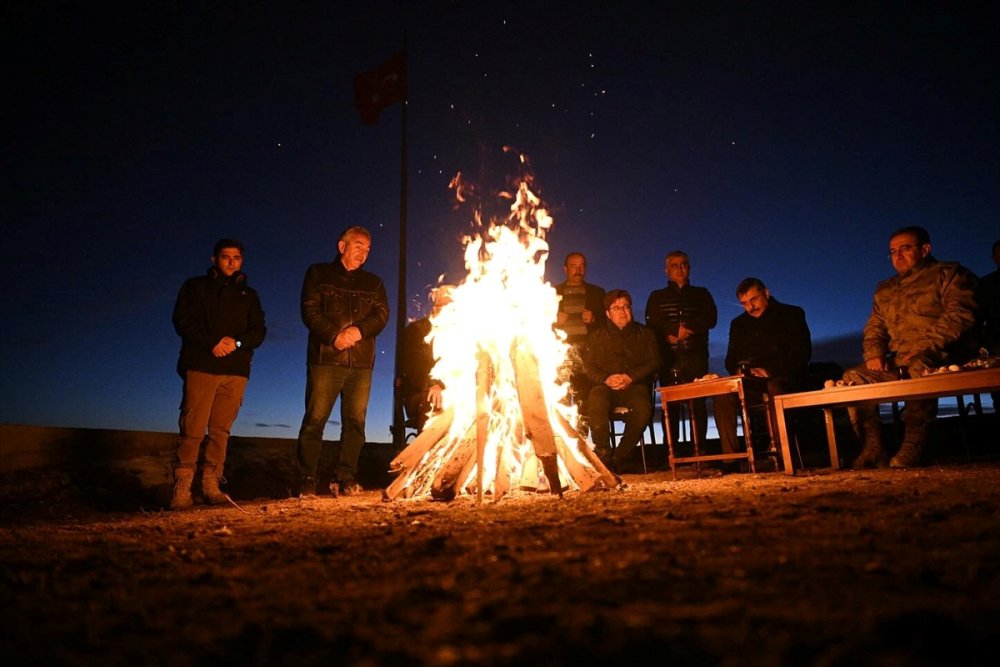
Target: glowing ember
pixel 499 358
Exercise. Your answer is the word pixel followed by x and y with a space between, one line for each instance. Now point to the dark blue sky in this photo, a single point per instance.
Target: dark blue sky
pixel 782 143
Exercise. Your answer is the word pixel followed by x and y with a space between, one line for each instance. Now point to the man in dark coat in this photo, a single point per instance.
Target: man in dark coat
pixel 771 343
pixel 344 308
pixel 681 314
pixel 421 392
pixel 621 360
pixel 220 321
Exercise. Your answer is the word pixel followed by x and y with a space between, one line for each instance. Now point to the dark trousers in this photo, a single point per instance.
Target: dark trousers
pixel 323 385
pixel 727 407
pixel 602 400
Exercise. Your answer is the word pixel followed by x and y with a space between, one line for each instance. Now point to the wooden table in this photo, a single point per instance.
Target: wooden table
pixel 954 383
pixel 732 384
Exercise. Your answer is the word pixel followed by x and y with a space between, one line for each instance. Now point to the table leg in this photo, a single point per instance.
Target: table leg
pixel 670 438
pixel 831 438
pixel 783 440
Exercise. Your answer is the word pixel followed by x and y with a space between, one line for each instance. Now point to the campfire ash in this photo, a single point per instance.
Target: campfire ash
pixel 505 424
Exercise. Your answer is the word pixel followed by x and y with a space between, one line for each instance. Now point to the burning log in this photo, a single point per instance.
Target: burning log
pixel 483 372
pixel 455 471
pixel 535 411
pixel 506 427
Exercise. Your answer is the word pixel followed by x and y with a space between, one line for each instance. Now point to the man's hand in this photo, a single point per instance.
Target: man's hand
pixel 759 372
pixel 683 333
pixel 618 381
pixel 877 364
pixel 434 396
pixel 561 318
pixel 225 346
pixel 347 338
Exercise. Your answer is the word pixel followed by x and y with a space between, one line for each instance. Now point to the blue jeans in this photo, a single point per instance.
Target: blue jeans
pixel 323 385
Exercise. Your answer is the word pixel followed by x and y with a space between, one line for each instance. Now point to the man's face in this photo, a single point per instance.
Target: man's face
pixel 354 251
pixel 755 301
pixel 678 270
pixel 228 261
pixel 905 253
pixel 620 312
pixel 576 269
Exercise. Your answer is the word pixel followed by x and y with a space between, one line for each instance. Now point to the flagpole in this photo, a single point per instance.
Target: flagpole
pixel 398 422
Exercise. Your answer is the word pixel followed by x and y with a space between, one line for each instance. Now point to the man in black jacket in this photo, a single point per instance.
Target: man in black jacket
pixel 770 341
pixel 344 308
pixel 681 314
pixel 621 359
pixel 220 322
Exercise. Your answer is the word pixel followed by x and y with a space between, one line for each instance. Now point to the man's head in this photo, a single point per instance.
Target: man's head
pixel 618 304
pixel 227 256
pixel 354 246
pixel 754 296
pixel 908 246
pixel 678 267
pixel 575 267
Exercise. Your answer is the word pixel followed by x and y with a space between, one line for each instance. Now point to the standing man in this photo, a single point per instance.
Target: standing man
pixel 422 393
pixel 922 317
pixel 621 360
pixel 581 311
pixel 681 315
pixel 220 322
pixel 770 341
pixel 344 308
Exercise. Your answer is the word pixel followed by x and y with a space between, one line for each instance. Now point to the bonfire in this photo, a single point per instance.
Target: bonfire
pixel 505 424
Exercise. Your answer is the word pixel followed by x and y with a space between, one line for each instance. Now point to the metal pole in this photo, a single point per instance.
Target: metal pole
pixel 398 426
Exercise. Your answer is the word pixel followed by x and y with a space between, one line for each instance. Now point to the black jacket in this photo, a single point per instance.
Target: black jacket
pixel 778 341
pixel 631 350
pixel 666 308
pixel 333 299
pixel 209 308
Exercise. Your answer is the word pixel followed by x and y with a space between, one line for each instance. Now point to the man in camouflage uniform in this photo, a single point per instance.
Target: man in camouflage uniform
pixel 922 317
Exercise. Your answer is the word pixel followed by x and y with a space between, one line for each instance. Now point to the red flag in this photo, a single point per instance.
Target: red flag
pixel 378 88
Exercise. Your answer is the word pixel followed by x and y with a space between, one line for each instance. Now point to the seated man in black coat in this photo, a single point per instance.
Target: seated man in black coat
pixel 770 341
pixel 621 360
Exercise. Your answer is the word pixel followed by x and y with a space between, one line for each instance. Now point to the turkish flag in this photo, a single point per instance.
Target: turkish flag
pixel 378 88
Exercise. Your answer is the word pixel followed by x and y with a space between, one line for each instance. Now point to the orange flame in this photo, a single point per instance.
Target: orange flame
pixel 504 308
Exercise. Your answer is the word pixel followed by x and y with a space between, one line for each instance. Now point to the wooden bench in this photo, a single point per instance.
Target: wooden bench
pixel 954 383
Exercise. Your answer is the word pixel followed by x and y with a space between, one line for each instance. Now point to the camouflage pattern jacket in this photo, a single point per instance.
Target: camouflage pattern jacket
pixel 926 316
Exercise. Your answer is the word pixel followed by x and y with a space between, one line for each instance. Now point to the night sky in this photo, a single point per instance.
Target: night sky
pixel 781 143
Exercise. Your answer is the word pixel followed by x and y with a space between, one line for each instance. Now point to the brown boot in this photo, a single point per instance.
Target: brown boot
pixel 909 455
pixel 182 489
pixel 210 487
pixel 872 456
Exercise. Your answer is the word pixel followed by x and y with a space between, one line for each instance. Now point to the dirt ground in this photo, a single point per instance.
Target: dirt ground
pixel 898 567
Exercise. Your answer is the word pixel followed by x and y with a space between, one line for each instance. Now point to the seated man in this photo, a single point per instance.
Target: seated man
pixel 421 393
pixel 621 359
pixel 770 341
pixel 923 317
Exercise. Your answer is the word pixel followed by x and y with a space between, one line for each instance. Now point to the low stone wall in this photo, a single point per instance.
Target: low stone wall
pixel 112 469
